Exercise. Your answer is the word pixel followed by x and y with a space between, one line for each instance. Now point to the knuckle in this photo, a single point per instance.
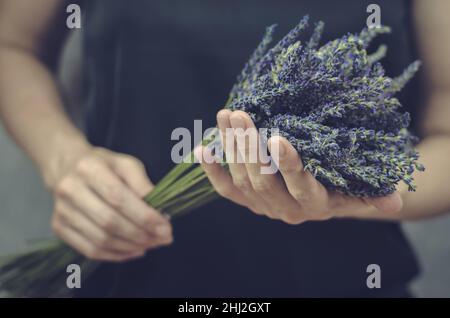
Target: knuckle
pixel 243 184
pixel 262 187
pixel 131 162
pixel 301 196
pixel 110 224
pixel 115 195
pixel 291 219
pixel 143 239
pixel 225 191
pixel 84 166
pixel 272 212
pixel 103 241
pixel 65 187
pixel 147 221
pixel 140 237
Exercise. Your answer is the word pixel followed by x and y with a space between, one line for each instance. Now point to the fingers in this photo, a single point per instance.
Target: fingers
pixel 99 208
pixel 133 173
pixel 319 204
pixel 118 196
pixel 219 178
pixel 93 207
pixel 237 169
pixel 95 234
pixel 236 164
pixel 263 193
pixel 223 122
pixel 310 194
pixel 294 195
pixel 268 186
pixel 85 247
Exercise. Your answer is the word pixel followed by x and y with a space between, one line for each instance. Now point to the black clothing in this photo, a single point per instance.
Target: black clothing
pixel 157 65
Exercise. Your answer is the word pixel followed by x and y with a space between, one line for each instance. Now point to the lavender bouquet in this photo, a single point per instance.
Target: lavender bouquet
pixel 334 103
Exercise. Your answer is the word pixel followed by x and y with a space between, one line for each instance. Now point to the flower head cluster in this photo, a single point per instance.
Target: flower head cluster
pixel 336 106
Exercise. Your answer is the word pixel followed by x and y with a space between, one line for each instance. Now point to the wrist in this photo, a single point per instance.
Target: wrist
pixel 64 153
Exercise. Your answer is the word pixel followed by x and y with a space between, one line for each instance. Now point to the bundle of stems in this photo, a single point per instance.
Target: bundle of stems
pixel 42 271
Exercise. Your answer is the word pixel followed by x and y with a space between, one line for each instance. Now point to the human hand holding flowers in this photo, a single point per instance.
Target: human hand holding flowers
pixel 294 195
pixel 99 210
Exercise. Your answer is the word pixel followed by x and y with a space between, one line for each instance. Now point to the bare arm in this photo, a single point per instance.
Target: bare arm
pixel 433 194
pixel 29 101
pixel 98 206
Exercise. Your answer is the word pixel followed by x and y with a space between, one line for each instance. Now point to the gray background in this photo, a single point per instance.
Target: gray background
pixel 25 206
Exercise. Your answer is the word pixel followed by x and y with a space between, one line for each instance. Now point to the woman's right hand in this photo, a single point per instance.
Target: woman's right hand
pixel 99 209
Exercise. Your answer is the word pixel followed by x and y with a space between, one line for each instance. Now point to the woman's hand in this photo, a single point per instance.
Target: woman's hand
pixel 293 195
pixel 99 209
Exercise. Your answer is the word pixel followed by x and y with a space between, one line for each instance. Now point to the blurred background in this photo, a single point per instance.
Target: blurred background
pixel 25 205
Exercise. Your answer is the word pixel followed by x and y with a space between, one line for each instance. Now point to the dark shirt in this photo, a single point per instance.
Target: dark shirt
pixel 157 65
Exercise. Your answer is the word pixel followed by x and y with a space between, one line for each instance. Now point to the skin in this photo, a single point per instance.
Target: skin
pixel 97 192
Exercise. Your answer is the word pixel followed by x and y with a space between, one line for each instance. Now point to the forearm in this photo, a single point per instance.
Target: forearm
pixel 433 187
pixel 432 196
pixel 32 112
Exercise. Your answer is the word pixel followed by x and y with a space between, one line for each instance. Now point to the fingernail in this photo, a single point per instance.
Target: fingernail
pixel 162 230
pixel 222 120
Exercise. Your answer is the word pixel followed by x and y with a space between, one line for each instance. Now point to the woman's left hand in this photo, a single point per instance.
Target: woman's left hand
pixel 293 195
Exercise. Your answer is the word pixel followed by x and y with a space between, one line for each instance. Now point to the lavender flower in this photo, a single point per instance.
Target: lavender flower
pixel 336 106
